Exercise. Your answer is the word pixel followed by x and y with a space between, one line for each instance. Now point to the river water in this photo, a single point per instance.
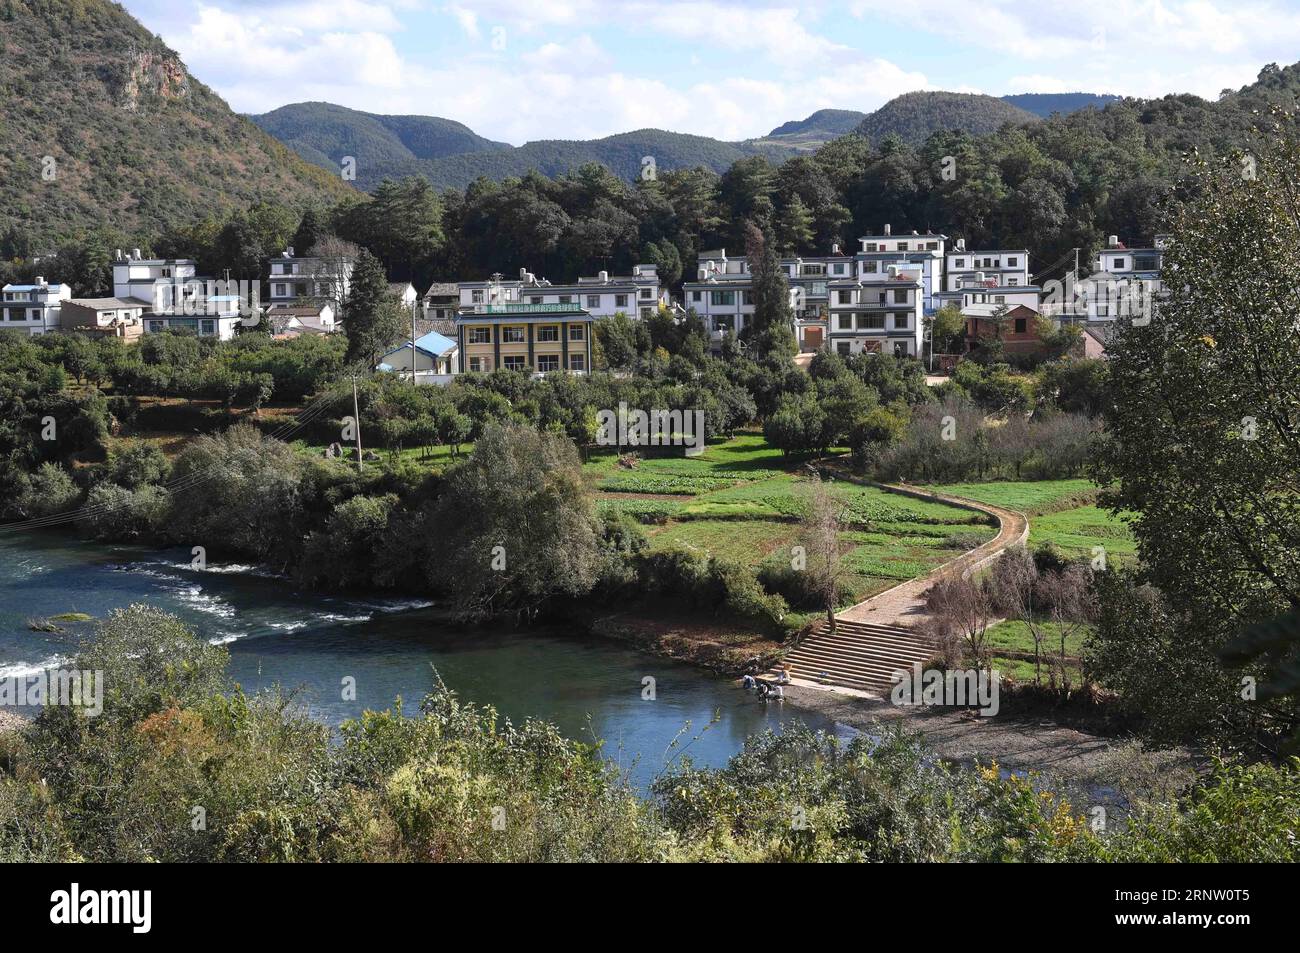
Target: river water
pixel 311 642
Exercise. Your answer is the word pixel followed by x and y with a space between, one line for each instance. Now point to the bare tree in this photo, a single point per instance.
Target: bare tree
pixel 822 525
pixel 961 608
pixel 1072 602
pixel 1016 583
pixel 333 268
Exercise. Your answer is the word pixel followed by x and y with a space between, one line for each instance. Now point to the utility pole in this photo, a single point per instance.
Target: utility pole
pixel 356 421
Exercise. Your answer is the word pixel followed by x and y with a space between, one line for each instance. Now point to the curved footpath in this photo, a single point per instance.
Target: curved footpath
pixel 876 637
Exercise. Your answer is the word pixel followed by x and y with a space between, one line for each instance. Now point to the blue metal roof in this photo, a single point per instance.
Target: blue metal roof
pixel 431 343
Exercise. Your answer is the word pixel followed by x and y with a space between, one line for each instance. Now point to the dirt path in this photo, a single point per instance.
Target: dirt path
pixel 904 604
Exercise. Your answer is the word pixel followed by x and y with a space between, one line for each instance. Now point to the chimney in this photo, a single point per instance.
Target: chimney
pixel 887 231
pixel 1114 241
pixel 40 282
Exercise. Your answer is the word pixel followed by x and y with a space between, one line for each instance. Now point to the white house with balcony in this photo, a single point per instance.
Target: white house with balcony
pixel 982 288
pixel 638 295
pixel 878 253
pixel 1125 283
pixel 138 278
pixel 292 278
pixel 35 308
pixel 1009 267
pixel 882 316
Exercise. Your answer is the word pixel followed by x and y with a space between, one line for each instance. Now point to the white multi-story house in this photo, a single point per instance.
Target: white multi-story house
pixel 33 309
pixel 139 279
pixel 981 288
pixel 292 278
pixel 1124 283
pixel 638 295
pixel 1008 266
pixel 878 253
pixel 879 313
pixel 722 295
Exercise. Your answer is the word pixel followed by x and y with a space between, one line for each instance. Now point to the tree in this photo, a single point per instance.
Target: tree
pixel 1203 438
pixel 794 227
pixel 820 530
pixel 372 319
pixel 770 329
pixel 517 525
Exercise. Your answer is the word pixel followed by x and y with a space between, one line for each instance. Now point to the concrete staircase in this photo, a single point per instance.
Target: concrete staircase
pixel 860 655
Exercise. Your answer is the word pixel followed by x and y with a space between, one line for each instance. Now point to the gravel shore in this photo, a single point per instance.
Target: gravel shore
pixel 1015 742
pixel 9 721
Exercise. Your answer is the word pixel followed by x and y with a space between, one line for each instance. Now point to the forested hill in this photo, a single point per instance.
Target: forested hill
pixel 449 154
pixel 915 116
pixel 133 141
pixel 1044 104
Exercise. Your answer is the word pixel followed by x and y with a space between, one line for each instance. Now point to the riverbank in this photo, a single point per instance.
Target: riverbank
pixel 1015 742
pixel 10 722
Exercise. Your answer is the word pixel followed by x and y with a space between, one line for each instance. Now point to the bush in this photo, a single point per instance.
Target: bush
pixel 115 514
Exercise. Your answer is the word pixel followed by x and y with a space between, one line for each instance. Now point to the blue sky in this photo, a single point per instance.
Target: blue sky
pixel 517 70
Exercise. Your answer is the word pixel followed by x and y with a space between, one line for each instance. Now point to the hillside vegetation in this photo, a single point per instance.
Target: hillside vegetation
pixel 913 117
pixel 101 124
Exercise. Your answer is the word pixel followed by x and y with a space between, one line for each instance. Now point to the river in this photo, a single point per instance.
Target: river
pixel 310 642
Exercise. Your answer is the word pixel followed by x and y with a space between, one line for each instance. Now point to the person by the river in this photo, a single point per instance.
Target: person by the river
pixel 783 676
pixel 748 683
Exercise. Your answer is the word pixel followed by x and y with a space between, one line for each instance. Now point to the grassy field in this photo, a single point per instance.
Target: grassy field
pixel 742 500
pixel 1061 512
pixel 1014 636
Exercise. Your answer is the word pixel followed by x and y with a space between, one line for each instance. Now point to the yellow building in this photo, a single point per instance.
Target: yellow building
pixel 516 336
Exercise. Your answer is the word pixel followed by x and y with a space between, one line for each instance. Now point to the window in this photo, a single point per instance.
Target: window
pixel 724 322
pixel 695 296
pixel 476 297
pixel 846 322
pixel 480 335
pixel 300 289
pixel 1013 281
pixel 959 263
pixel 900 296
pixel 932 246
pixel 902 246
pixel 844 296
pixel 535 299
pixel 1011 262
pixel 1119 264
pixel 577 362
pixel 548 332
pixel 512 335
pixel 871 322
pixel 647 294
pixel 548 362
pixel 593 301
pixel 843 347
pixel 902 321
pixel 1145 263
pixel 155 327
pixel 281 291
pixel 747 297
pixel 478 363
pixel 999 299
pixel 207 326
pixel 838 268
pixel 1022 325
pixel 577 332
pixel 514 362
pixel 620 301
pixel 645 313
pixel 720 298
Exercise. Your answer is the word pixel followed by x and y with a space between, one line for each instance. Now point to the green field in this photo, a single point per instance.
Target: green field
pixel 752 517
pixel 1061 512
pixel 1014 636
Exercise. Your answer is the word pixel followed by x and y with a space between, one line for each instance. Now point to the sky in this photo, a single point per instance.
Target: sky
pixel 519 70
